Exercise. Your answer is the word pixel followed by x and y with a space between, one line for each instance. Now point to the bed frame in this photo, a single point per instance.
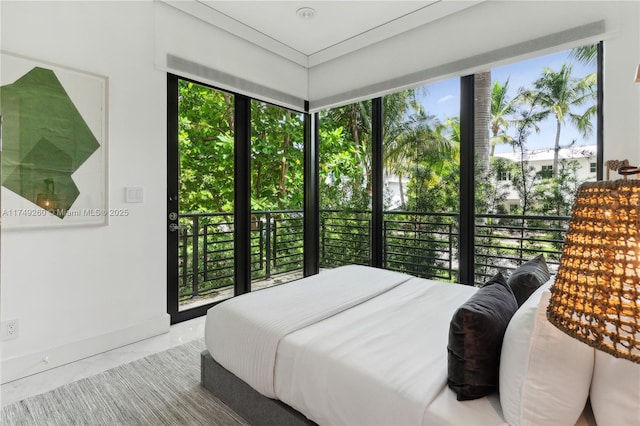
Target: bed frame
pixel 255 408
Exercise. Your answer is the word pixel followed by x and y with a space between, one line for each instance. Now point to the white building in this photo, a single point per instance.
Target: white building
pixel 541 160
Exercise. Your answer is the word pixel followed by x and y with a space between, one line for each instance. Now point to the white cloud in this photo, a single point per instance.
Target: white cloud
pixel 445 99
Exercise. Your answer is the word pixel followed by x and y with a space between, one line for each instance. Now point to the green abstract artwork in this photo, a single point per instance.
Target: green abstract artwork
pixel 45 140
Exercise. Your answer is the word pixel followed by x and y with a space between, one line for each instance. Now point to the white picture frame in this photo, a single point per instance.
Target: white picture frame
pixel 54 145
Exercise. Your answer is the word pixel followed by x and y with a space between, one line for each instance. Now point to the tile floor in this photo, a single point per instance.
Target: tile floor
pixel 43 382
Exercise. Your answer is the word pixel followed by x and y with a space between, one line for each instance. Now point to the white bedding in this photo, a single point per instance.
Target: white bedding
pixel 445 409
pixel 383 362
pixel 243 334
pixel 350 346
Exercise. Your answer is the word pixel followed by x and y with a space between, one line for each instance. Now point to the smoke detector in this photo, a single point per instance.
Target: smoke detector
pixel 306 13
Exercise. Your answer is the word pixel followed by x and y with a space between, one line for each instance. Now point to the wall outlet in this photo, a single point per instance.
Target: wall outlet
pixel 10 329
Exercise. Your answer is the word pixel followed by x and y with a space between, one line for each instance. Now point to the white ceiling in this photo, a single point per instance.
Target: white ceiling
pixel 338 27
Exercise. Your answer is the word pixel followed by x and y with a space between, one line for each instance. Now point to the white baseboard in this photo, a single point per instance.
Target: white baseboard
pixel 26 365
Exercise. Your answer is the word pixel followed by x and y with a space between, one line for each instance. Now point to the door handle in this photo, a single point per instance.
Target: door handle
pixel 173 227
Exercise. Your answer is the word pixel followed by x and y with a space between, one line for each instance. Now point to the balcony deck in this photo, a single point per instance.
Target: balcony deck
pixel 227 292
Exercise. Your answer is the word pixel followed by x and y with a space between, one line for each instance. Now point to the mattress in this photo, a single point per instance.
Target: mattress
pixel 353 345
pixel 383 362
pixel 243 333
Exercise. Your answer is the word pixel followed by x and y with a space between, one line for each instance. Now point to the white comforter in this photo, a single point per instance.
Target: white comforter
pixel 350 346
pixel 380 363
pixel 243 334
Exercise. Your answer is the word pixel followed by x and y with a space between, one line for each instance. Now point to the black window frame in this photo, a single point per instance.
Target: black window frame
pixel 311 184
pixel 242 195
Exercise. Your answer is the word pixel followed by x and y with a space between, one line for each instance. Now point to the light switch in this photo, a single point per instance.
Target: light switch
pixel 134 194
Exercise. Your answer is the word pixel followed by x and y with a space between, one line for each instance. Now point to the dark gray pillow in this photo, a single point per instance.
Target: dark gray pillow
pixel 475 340
pixel 528 277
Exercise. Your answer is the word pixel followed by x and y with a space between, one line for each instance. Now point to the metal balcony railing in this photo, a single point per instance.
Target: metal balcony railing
pixel 421 244
pixel 503 242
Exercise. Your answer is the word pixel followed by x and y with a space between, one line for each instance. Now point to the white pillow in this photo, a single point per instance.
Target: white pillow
pixel 544 373
pixel 615 391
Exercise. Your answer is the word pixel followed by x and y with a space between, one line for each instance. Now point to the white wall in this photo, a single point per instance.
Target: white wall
pixel 80 291
pixel 621 94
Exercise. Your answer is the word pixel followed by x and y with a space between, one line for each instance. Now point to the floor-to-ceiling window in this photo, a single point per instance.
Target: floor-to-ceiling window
pixel 393 174
pixel 345 184
pixel 421 157
pixel 277 185
pixel 235 187
pixel 205 199
pixel 535 143
pixel 532 140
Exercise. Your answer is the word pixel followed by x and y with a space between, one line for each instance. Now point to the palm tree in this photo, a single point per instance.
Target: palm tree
pixel 501 108
pixel 588 55
pixel 585 54
pixel 410 135
pixel 401 116
pixel 559 93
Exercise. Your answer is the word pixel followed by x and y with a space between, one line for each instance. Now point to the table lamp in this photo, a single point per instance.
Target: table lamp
pixel 596 294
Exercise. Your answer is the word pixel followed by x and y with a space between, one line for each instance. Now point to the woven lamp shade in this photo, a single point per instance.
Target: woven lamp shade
pixel 596 294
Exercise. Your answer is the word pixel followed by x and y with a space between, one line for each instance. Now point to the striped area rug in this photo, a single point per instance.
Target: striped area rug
pixel 161 389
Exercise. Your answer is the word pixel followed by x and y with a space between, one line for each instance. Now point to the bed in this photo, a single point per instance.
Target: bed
pixel 358 345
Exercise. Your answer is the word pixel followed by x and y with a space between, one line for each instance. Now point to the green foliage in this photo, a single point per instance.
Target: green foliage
pixel 206 146
pixel 555 196
pixel 502 110
pixel 205 138
pixel 419 151
pixel 345 157
pixel 491 194
pixel 277 170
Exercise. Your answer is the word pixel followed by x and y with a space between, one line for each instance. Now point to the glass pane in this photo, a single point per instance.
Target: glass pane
pixel 205 249
pixel 345 185
pixel 277 191
pixel 540 135
pixel 421 177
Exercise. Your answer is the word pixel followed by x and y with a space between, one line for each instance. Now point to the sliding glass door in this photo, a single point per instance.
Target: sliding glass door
pixel 235 193
pixel 277 193
pixel 200 197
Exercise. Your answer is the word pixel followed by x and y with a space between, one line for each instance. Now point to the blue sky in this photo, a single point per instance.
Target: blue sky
pixel 443 98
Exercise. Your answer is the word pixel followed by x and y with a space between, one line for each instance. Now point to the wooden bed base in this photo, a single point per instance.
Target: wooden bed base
pixel 255 408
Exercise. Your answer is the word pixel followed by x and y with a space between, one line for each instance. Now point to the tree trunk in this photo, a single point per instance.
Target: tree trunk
pixel 556 149
pixel 284 167
pixel 356 139
pixel 482 118
pixel 228 101
pixel 401 187
pixel 258 182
